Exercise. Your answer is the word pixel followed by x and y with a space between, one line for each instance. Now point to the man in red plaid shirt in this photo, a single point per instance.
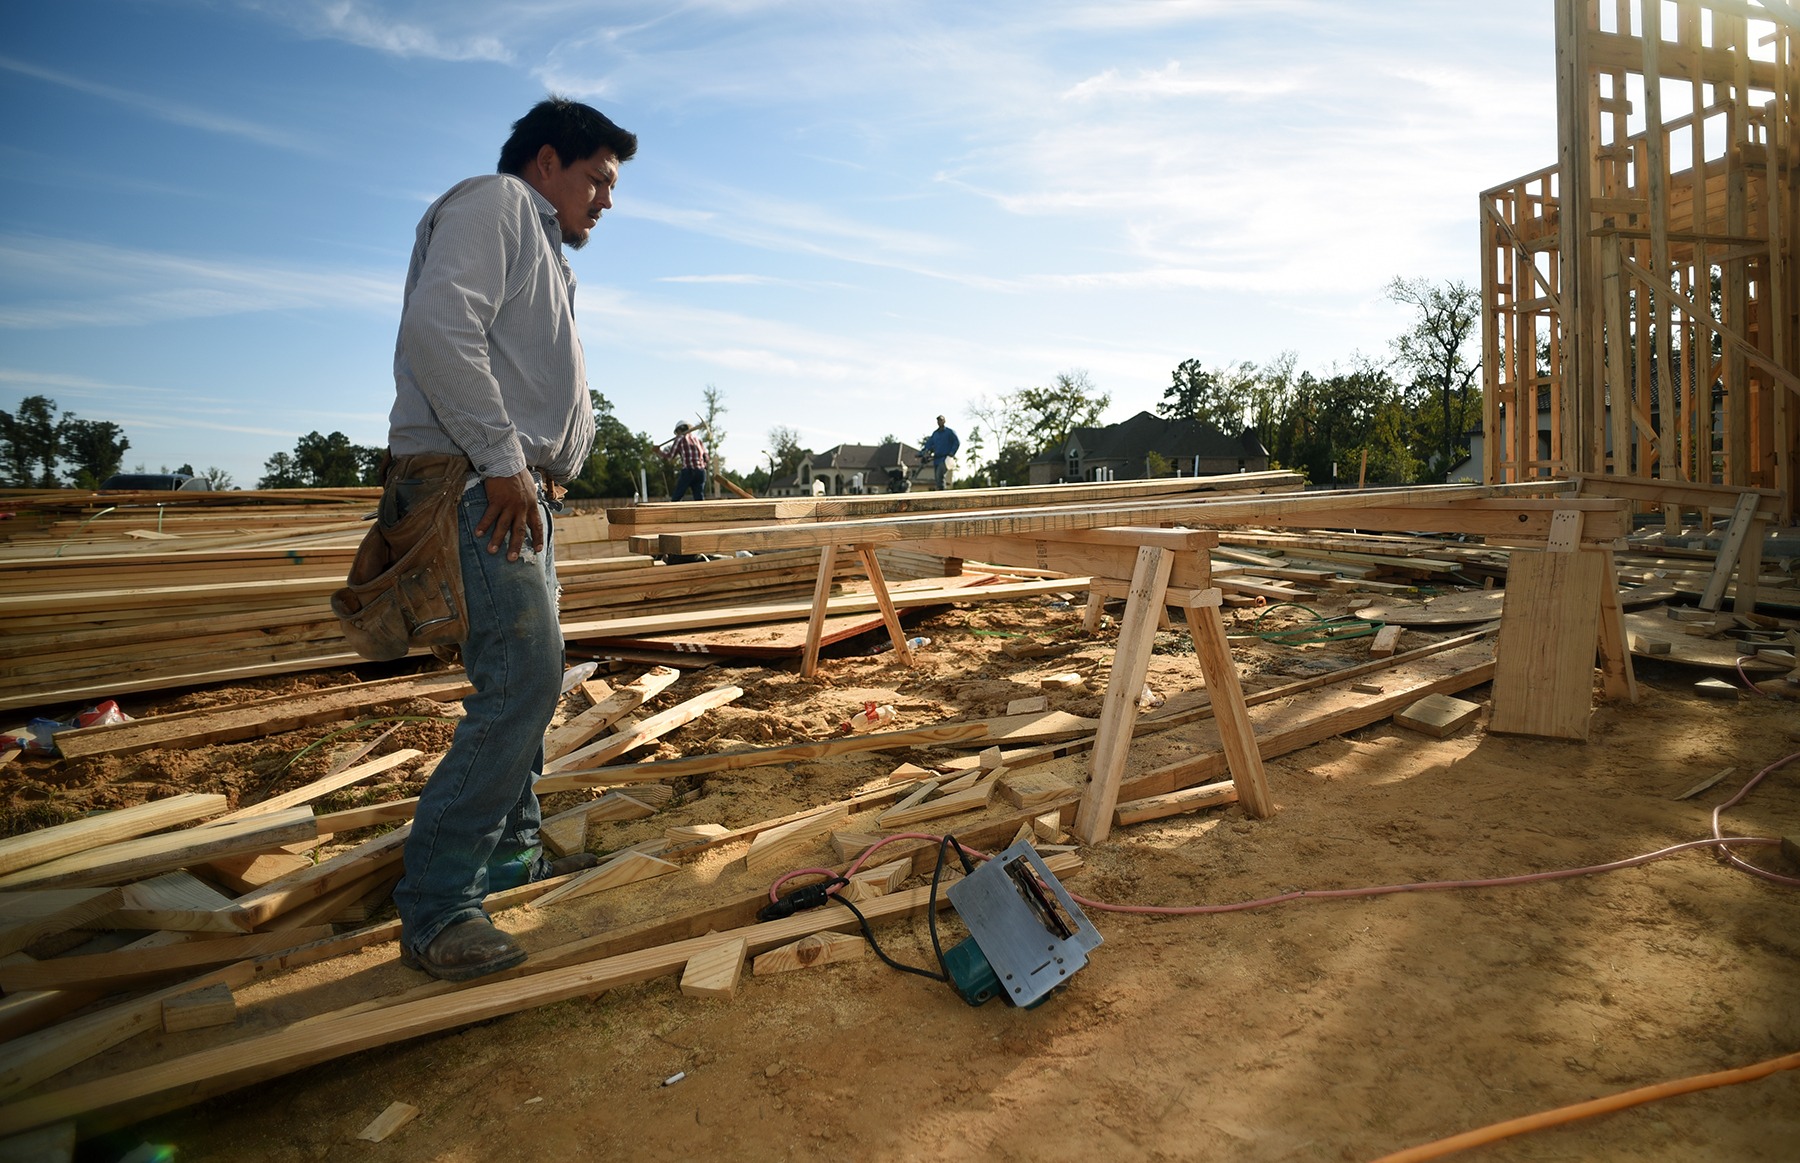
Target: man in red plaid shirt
pixel 691 454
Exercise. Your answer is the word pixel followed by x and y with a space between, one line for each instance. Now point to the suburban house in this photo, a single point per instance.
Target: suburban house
pixel 850 468
pixel 1132 450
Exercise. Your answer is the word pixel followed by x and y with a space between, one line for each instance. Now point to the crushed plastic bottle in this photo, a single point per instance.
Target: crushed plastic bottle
pixel 918 643
pixel 869 717
pixel 578 674
pixel 1149 700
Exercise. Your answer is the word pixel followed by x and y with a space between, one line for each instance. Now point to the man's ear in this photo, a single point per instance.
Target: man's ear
pixel 546 162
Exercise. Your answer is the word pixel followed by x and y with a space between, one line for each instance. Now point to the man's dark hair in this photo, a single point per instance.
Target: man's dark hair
pixel 575 131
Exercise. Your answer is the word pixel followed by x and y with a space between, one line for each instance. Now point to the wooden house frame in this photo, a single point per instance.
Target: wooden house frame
pixel 1666 226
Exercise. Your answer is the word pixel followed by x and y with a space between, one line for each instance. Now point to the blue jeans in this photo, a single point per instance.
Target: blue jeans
pixel 476 828
pixel 694 478
pixel 937 468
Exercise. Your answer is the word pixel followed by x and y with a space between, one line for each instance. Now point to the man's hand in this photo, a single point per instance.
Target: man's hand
pixel 512 512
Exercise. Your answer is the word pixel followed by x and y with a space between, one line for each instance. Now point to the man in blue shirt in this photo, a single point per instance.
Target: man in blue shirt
pixel 939 447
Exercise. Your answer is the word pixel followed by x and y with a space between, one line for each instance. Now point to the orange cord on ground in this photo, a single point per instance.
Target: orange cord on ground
pixel 1582 1110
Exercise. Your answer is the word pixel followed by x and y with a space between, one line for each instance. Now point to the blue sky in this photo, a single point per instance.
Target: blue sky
pixel 846 216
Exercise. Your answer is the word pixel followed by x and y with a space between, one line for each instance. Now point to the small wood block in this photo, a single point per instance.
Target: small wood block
pixel 635 804
pixel 397 1115
pixel 968 779
pixel 1062 682
pixel 1367 688
pixel 716 971
pixel 1644 644
pixel 809 951
pixel 989 759
pixel 180 901
pixel 1048 827
pixel 1776 655
pixel 1032 789
pixel 850 845
pixel 1439 716
pixel 212 1006
pixel 1713 688
pixel 916 795
pixel 624 868
pixel 695 833
pixel 1690 614
pixel 778 845
pixel 1029 705
pixel 885 877
pixel 1024 833
pixel 1023 648
pixel 1386 641
pixel 565 833
pixel 908 772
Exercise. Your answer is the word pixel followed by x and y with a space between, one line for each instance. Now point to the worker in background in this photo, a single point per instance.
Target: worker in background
pixel 937 450
pixel 488 368
pixel 687 451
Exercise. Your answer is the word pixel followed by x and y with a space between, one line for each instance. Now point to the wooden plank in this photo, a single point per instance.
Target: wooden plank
pixel 320 788
pixel 1742 517
pixel 28 917
pixel 742 758
pixel 626 867
pixel 1386 641
pixel 132 966
pixel 1149 582
pixel 647 731
pixel 890 617
pixel 775 847
pixel 134 1094
pixel 59 840
pixel 815 618
pixel 1544 673
pixel 1439 716
pixel 1230 713
pixel 1192 799
pixel 968 800
pixel 180 901
pixel 559 741
pixel 213 1005
pixel 716 971
pixel 258 718
pixel 148 855
pixel 390 1120
pixel 812 950
pixel 272 900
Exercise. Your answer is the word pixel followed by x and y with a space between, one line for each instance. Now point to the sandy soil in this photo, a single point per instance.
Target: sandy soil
pixel 1323 1029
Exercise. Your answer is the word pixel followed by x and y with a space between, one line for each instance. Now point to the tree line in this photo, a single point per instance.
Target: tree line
pixel 1408 413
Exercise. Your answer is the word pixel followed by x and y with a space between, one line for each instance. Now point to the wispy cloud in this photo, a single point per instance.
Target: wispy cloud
pixel 177 112
pixel 55 283
pixel 367 26
pixel 1171 81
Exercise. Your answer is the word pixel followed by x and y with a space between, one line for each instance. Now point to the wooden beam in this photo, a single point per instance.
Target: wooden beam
pixel 148 855
pixel 1149 582
pixel 59 840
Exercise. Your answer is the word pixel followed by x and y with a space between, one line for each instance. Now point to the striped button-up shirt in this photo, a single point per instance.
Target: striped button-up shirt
pixel 488 362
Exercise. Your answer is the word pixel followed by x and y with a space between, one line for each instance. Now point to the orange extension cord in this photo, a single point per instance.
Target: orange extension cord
pixel 1597 1106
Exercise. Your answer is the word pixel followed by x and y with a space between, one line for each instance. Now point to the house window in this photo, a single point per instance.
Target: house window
pixel 1074 465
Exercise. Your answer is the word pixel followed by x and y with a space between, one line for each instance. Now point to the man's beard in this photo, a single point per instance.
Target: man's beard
pixel 574 241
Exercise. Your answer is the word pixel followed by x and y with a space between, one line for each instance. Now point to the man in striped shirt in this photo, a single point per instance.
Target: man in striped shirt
pixel 687 451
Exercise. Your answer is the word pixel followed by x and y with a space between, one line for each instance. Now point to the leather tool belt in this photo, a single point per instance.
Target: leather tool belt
pixel 405 588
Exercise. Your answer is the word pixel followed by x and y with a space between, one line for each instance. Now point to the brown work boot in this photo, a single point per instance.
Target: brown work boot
pixel 467 949
pixel 573 862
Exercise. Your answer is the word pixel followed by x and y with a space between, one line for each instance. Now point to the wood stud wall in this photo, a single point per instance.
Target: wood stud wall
pixel 1678 182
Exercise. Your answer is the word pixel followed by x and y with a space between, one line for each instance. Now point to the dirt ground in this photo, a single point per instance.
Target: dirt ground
pixel 1320 1029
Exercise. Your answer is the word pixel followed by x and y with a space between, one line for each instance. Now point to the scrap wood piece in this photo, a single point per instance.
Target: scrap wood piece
pixel 1386 641
pixel 652 728
pixel 256 719
pixel 627 867
pixel 76 836
pixel 715 972
pixel 566 832
pixel 1175 803
pixel 181 901
pixel 688 833
pixel 1036 789
pixel 136 1094
pixel 1322 714
pixel 1706 783
pixel 248 873
pixel 1439 716
pixel 131 966
pixel 814 949
pixel 397 1115
pixel 148 855
pixel 212 1005
pixel 969 800
pixel 272 900
pixel 559 741
pixel 319 788
pixel 759 757
pixel 776 846
pixel 29 916
pixel 878 881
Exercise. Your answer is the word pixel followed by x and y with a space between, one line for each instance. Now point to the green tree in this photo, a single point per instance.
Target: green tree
pixel 1433 351
pixel 30 440
pixel 217 477
pixel 327 462
pixel 715 431
pixel 619 455
pixel 785 453
pixel 1068 402
pixel 92 449
pixel 280 472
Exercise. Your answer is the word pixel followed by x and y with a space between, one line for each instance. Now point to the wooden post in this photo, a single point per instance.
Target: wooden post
pixel 872 567
pixel 1615 647
pixel 1227 695
pixel 1149 582
pixel 815 622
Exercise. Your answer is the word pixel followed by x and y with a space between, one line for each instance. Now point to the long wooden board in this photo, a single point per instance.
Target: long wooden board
pixel 62 840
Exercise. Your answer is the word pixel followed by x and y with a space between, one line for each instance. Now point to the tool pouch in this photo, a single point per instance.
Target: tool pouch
pixel 405 588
